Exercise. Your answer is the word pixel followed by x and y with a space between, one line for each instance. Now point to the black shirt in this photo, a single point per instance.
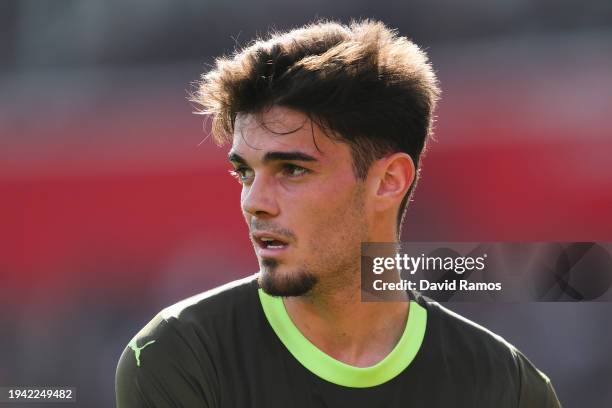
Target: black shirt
pixel 236 346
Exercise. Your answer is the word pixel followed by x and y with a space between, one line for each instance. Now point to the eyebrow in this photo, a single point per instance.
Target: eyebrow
pixel 274 156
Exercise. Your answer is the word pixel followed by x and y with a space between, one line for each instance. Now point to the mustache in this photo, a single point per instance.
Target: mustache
pixel 263 225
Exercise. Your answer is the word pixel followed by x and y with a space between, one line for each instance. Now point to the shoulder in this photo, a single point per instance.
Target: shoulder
pixel 465 334
pixel 200 314
pixel 487 359
pixel 213 303
pixel 173 355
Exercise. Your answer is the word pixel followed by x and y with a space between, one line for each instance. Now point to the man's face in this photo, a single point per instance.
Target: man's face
pixel 303 205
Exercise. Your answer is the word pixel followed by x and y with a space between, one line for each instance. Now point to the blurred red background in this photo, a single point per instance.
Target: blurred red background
pixel 135 179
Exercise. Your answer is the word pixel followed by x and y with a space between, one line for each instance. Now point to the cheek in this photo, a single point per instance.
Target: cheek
pixel 246 215
pixel 334 221
pixel 321 204
pixel 242 197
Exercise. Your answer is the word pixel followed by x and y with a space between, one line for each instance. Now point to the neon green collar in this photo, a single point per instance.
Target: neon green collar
pixel 336 371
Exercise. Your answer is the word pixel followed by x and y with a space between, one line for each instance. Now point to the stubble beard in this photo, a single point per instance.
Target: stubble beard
pixel 297 283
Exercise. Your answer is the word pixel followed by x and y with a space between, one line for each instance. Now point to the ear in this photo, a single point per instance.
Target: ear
pixel 394 175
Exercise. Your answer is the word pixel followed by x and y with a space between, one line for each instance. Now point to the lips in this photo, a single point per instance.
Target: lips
pixel 269 243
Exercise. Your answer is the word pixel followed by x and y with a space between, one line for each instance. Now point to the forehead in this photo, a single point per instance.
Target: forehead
pixel 284 129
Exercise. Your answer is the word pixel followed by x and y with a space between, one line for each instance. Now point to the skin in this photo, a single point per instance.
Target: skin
pixel 323 213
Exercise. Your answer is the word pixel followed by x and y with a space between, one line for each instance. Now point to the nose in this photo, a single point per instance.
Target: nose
pixel 259 198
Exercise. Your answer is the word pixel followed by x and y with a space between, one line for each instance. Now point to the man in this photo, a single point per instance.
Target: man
pixel 327 124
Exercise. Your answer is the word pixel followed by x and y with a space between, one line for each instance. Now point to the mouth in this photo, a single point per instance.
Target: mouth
pixel 268 244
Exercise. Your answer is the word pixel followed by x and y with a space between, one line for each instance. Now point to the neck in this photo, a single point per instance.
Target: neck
pixel 354 332
pixel 335 320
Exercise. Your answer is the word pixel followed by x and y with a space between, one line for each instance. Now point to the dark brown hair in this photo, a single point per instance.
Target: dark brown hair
pixel 362 84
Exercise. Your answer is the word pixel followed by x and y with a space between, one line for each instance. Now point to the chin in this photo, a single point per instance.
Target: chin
pixel 275 282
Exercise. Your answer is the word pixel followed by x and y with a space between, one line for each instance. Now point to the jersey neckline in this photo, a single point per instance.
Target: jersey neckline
pixel 335 371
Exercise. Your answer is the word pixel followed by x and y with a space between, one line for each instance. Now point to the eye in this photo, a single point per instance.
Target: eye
pixel 292 170
pixel 244 175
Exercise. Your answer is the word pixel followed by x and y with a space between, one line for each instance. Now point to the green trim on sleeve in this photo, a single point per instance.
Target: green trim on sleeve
pixel 337 372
